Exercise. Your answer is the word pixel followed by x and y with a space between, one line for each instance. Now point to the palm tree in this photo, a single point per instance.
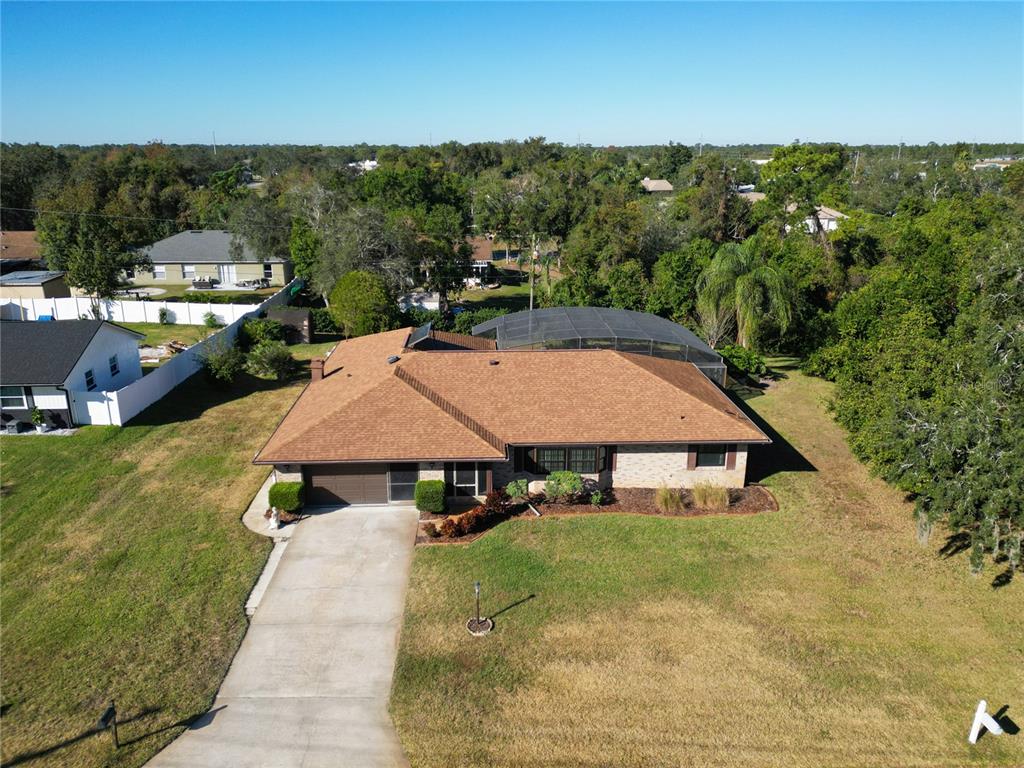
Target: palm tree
pixel 738 278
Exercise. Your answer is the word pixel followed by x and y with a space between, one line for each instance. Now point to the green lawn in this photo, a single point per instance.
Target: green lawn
pixel 513 298
pixel 157 334
pixel 819 635
pixel 125 569
pixel 176 292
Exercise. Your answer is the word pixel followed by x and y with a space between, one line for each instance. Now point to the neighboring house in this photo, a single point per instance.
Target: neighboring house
pixel 206 254
pixel 35 284
pixel 655 185
pixel 19 251
pixel 364 166
pixel 999 163
pixel 828 219
pixel 386 410
pixel 43 364
pixel 751 196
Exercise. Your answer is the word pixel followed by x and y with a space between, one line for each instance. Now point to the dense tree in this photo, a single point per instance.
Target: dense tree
pixel 362 304
pixel 673 292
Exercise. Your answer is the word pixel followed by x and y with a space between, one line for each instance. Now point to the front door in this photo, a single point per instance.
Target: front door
pixel 465 478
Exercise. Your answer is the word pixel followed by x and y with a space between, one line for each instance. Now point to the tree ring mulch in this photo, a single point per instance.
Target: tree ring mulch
pixel 479 628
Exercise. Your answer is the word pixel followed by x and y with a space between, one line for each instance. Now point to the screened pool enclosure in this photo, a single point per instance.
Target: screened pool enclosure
pixel 602 328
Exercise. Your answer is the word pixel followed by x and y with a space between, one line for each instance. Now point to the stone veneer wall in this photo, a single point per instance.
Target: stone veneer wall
pixel 645 466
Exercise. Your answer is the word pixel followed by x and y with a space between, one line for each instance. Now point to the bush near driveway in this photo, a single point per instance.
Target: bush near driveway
pixel 286 496
pixel 429 495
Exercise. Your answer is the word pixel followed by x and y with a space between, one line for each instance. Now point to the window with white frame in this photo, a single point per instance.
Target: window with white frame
pixel 90 380
pixel 159 272
pixel 13 398
pixel 114 369
pixel 188 271
pixel 268 270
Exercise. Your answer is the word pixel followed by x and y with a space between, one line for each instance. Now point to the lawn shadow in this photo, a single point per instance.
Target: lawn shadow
pixel 192 723
pixel 510 606
pixel 38 753
pixel 1003 579
pixel 1005 722
pixel 955 544
pixel 194 396
pixel 763 461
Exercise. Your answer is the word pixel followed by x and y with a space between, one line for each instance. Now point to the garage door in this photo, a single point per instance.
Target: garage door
pixel 346 484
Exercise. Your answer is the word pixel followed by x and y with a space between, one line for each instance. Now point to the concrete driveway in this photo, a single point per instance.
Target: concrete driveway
pixel 310 684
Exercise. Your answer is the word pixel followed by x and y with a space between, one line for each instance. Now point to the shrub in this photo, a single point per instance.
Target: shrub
pixel 417 317
pixel 208 297
pixel 271 358
pixel 448 528
pixel 743 361
pixel 496 503
pixel 323 322
pixel 210 320
pixel 254 330
pixel 597 498
pixel 464 321
pixel 517 489
pixel 668 500
pixel 429 496
pixel 286 496
pixel 430 530
pixel 164 315
pixel 563 486
pixel 222 363
pixel 37 417
pixel 361 304
pixel 711 497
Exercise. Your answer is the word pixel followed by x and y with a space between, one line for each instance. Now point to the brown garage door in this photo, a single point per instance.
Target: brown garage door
pixel 346 484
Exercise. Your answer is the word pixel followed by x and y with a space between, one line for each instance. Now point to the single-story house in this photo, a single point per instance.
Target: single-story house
pixel 34 284
pixel 206 254
pixel 43 364
pixel 656 185
pixel 386 410
pixel 828 219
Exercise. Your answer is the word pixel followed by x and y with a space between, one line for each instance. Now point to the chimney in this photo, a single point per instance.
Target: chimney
pixel 316 369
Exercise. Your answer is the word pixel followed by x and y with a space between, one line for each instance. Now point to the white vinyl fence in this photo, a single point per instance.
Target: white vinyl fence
pixel 118 311
pixel 119 406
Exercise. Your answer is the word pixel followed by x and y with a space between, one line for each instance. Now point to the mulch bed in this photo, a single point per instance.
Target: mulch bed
pixel 750 500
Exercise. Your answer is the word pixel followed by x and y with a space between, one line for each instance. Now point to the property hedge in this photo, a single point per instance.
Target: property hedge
pixel 322 321
pixel 286 496
pixel 430 496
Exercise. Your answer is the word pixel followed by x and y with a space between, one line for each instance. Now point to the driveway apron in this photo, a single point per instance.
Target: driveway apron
pixel 310 683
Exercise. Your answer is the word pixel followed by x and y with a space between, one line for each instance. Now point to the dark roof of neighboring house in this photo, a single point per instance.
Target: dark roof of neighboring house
pixel 19 245
pixel 380 401
pixel 43 353
pixel 200 246
pixel 29 277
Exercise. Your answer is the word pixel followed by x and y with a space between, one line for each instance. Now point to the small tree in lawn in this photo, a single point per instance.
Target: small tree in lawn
pixel 361 304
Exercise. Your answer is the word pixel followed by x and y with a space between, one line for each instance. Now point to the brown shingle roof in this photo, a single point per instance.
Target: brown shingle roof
pixel 19 245
pixel 433 405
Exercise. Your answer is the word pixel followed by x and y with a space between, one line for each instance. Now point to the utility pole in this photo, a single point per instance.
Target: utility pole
pixel 856 162
pixel 214 143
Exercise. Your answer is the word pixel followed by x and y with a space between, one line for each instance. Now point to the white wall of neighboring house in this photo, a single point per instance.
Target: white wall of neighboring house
pixel 107 342
pixel 49 398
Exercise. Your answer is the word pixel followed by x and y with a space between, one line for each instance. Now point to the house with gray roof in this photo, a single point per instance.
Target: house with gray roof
pixel 210 258
pixel 43 364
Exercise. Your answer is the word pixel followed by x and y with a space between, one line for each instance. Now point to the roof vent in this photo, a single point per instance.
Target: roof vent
pixel 493 362
pixel 393 359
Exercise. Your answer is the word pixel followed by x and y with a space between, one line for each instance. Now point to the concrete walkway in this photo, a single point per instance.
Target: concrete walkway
pixel 309 686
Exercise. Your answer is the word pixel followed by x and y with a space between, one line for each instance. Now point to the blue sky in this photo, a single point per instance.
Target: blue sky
pixel 606 73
